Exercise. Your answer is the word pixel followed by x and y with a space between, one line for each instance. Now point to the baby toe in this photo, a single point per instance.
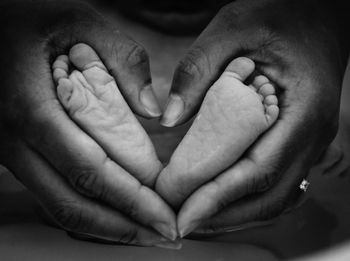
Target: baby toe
pixel 60 68
pixel 240 68
pixel 91 66
pixel 59 74
pixel 84 57
pixel 267 89
pixel 271 114
pixel 271 100
pixel 259 81
pixel 62 62
pixel 271 106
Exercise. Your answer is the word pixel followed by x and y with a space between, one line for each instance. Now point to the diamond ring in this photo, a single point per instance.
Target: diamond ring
pixel 304 185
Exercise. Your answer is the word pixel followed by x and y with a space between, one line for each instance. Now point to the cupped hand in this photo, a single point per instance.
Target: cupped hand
pixel 77 183
pixel 301 47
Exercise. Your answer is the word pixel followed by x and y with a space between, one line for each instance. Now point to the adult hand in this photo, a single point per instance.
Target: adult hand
pixel 80 187
pixel 302 48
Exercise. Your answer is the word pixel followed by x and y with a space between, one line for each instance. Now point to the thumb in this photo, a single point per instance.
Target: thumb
pixel 126 60
pixel 198 70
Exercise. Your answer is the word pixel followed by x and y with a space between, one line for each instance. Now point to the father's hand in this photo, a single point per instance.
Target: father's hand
pixel 302 48
pixel 83 190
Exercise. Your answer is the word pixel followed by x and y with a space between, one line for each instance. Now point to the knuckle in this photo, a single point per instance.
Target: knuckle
pixel 272 210
pixel 93 154
pixel 85 180
pixel 263 178
pixel 69 215
pixel 266 180
pixel 130 236
pixel 221 202
pixel 131 208
pixel 135 55
pixel 191 66
pixel 213 226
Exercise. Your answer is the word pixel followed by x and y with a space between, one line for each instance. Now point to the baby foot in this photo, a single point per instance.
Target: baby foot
pixel 231 118
pixel 92 98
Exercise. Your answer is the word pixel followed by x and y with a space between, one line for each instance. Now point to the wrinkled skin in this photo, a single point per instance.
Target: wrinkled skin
pixel 78 185
pixel 48 153
pixel 302 48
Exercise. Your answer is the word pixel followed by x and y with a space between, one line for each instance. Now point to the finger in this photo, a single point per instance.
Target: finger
pixel 257 171
pixel 257 209
pixel 86 166
pixel 126 60
pixel 39 118
pixel 196 72
pixel 74 212
pixel 334 161
pixel 297 139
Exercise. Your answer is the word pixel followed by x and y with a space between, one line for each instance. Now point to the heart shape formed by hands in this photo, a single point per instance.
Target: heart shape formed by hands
pixel 231 118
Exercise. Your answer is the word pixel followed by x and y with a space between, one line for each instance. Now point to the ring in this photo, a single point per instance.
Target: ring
pixel 304 185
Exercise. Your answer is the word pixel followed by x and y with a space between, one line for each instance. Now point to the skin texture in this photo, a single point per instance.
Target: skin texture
pixel 285 39
pixel 63 166
pixel 302 48
pixel 232 116
pixel 92 99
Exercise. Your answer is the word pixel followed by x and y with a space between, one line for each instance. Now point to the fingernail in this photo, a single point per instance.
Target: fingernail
pixel 166 231
pixel 150 102
pixel 165 243
pixel 184 231
pixel 174 111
